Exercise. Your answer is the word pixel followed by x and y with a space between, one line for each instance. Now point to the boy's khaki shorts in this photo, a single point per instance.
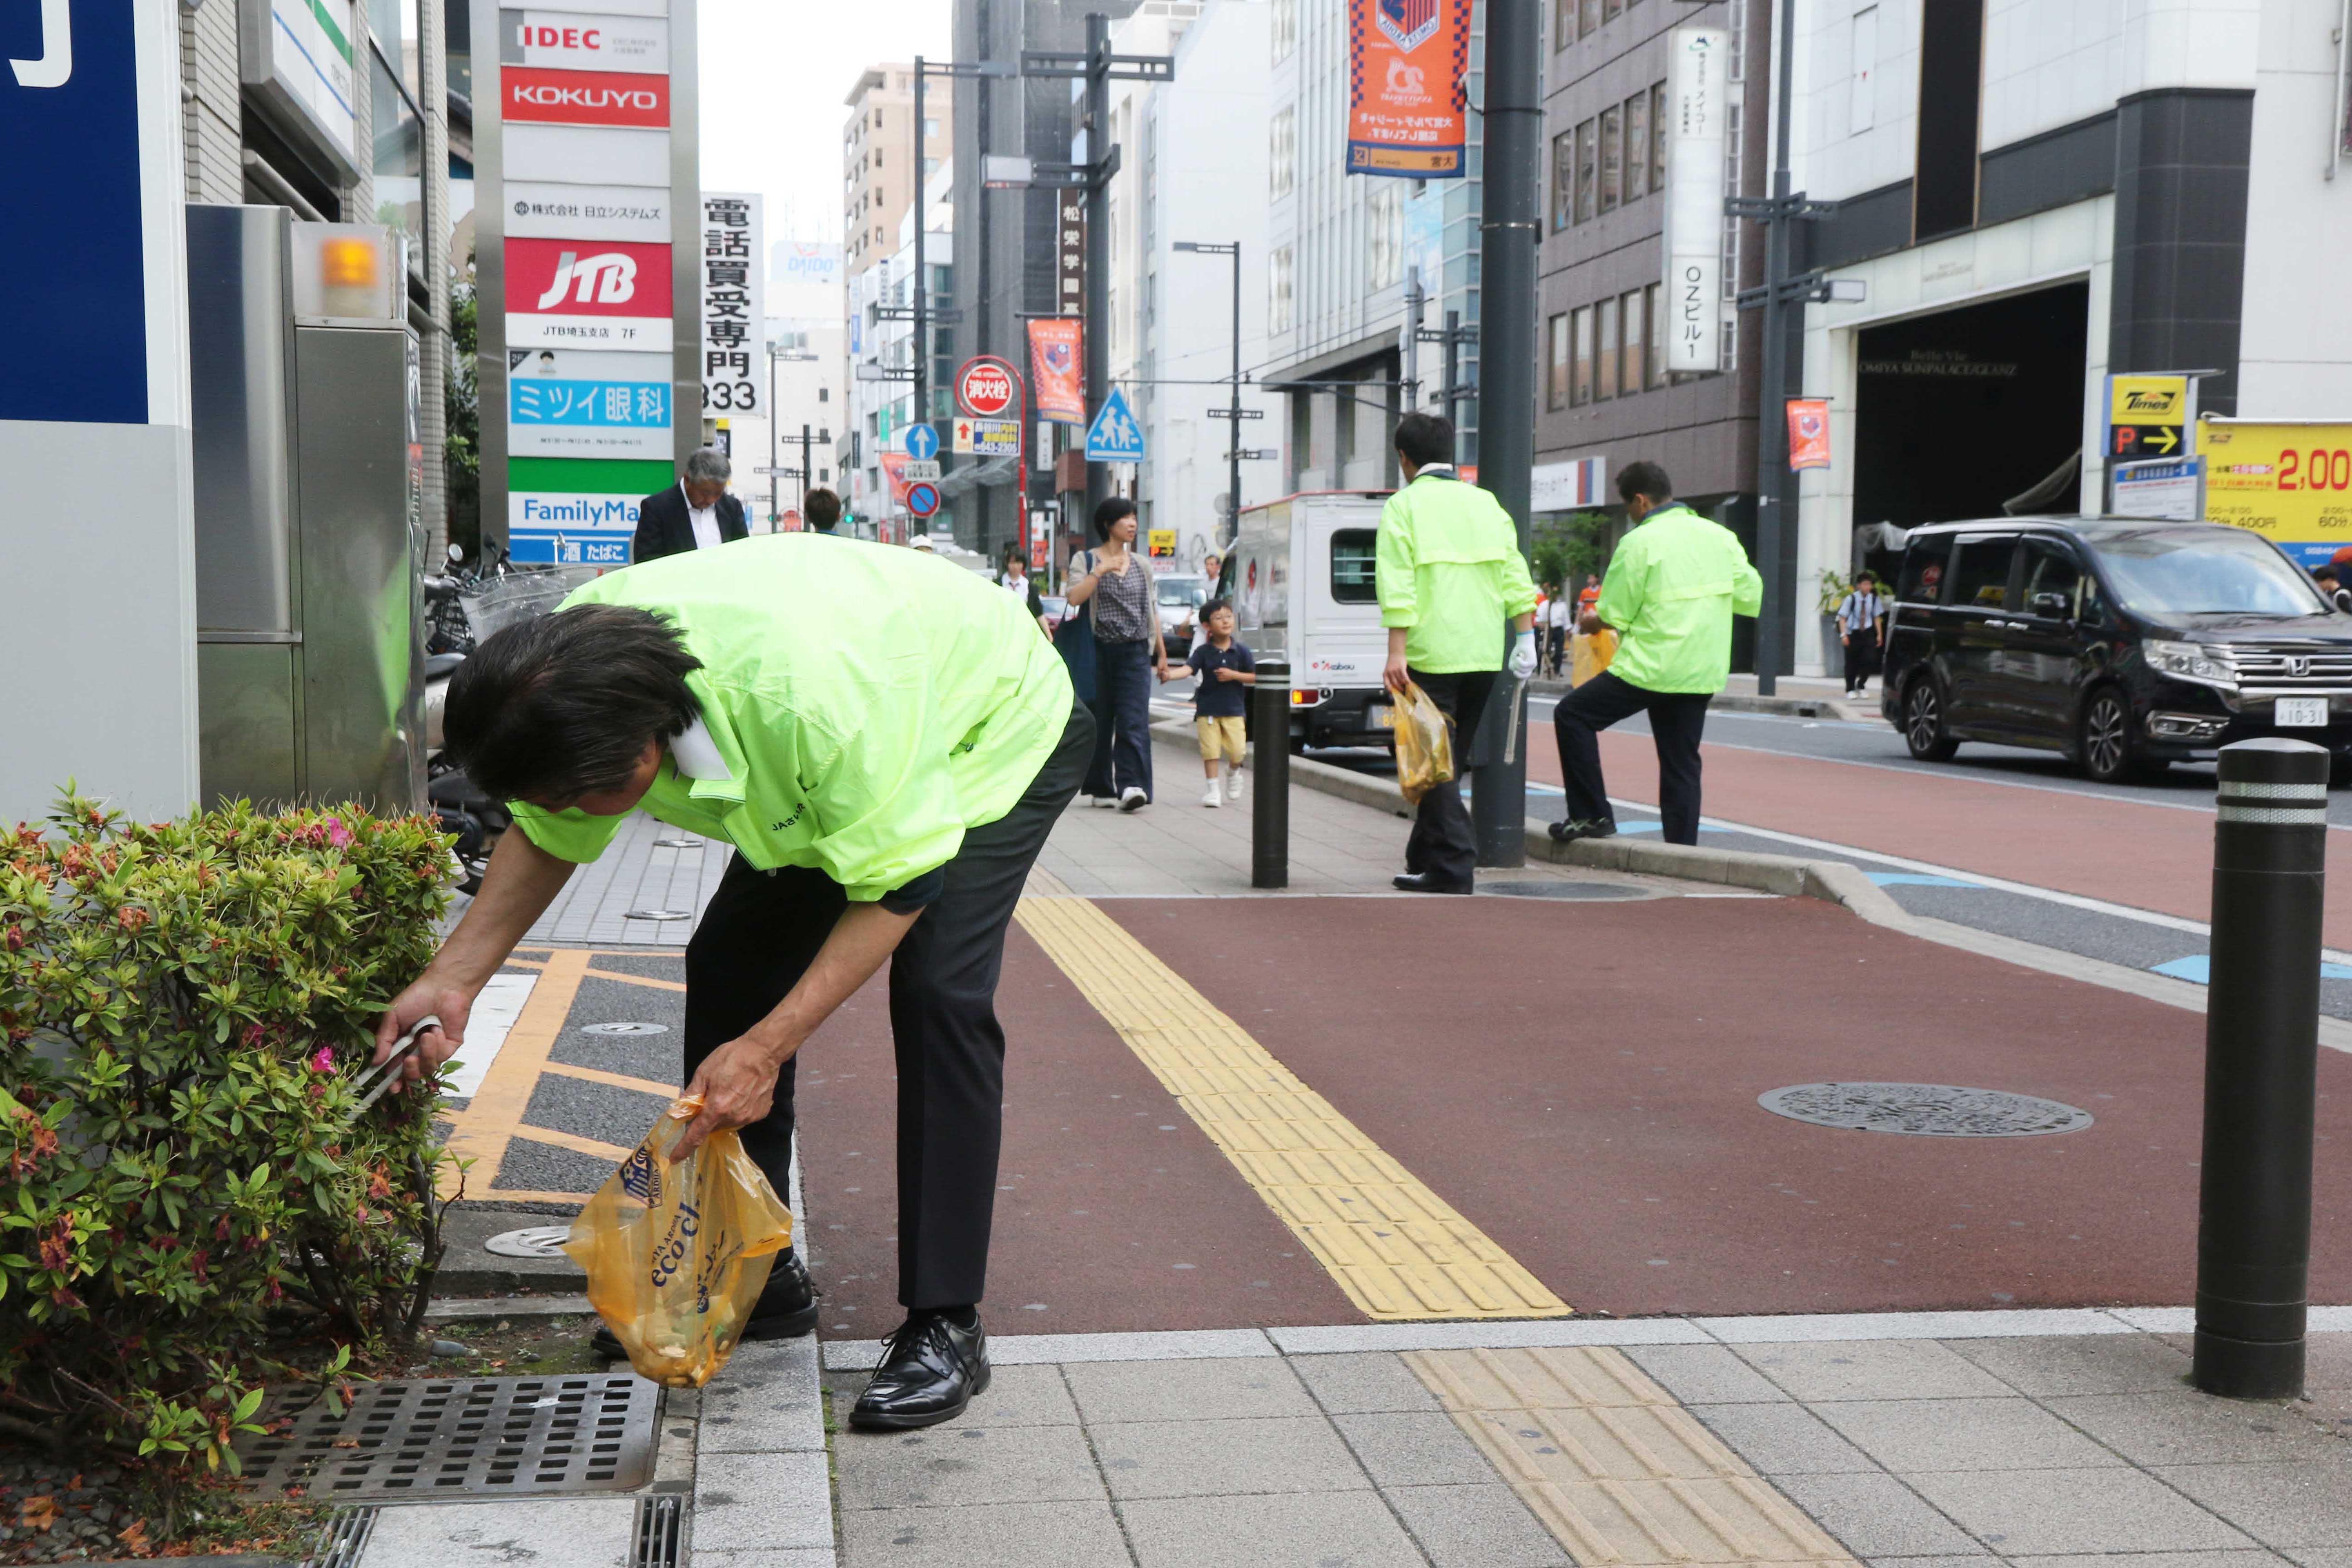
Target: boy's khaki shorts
pixel 1221 736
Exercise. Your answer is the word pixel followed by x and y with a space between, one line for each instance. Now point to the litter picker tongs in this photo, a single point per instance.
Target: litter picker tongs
pixel 377 1081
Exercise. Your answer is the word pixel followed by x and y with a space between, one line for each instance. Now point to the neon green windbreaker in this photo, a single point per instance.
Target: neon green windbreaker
pixel 866 706
pixel 1672 587
pixel 1448 569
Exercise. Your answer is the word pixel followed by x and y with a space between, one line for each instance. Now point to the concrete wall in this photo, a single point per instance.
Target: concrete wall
pixel 2296 343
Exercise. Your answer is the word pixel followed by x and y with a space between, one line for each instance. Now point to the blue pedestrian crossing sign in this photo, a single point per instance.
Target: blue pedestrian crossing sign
pixel 1114 437
pixel 922 442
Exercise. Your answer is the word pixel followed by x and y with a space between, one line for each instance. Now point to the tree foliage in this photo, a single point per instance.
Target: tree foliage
pixel 1566 550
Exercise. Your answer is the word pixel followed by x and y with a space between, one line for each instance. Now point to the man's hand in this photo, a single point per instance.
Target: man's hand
pixel 429 996
pixel 1523 655
pixel 737 1085
pixel 1394 676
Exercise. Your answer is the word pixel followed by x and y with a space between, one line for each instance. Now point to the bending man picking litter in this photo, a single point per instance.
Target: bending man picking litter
pixel 886 741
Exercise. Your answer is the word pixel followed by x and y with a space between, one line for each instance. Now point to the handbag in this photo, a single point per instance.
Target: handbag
pixel 1074 639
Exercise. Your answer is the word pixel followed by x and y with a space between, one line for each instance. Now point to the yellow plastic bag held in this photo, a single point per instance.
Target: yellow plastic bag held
pixel 678 1251
pixel 1424 753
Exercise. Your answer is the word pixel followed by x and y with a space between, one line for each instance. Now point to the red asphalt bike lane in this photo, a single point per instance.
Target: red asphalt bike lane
pixel 2145 856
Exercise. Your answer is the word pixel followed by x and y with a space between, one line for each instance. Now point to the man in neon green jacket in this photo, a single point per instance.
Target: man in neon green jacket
pixel 1448 573
pixel 886 741
pixel 1672 587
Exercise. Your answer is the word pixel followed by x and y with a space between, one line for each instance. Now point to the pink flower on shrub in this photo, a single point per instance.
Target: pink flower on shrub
pixel 338 836
pixel 323 1059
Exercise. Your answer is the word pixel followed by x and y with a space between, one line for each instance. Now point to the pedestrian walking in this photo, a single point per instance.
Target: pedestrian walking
pixel 1223 672
pixel 696 514
pixel 1448 573
pixel 1113 581
pixel 1589 596
pixel 1862 631
pixel 1015 580
pixel 881 738
pixel 1559 619
pixel 1673 585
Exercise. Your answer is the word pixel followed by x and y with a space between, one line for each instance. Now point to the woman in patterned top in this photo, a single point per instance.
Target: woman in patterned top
pixel 1113 582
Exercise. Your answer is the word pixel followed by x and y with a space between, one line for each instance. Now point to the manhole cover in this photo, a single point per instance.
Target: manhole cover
pixel 677 843
pixel 1562 891
pixel 1930 1109
pixel 659 915
pixel 532 1241
pixel 490 1436
pixel 625 1029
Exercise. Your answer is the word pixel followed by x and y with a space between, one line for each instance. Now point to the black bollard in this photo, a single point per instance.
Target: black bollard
pixel 2262 1049
pixel 1270 760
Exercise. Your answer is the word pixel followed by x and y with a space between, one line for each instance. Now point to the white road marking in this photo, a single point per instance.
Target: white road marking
pixel 495 1012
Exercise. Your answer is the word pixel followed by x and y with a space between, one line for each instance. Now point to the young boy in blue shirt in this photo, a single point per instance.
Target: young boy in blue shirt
pixel 1225 672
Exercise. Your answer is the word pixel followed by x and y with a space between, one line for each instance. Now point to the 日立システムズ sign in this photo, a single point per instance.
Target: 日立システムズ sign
pixel 2290 481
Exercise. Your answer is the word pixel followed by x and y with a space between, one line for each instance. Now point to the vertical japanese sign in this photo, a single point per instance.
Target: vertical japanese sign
pixel 733 313
pixel 1405 63
pixel 1808 432
pixel 1697 105
pixel 1054 370
pixel 1070 252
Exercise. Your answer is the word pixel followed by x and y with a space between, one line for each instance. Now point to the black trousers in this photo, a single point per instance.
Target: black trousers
pixel 1122 755
pixel 1677 719
pixel 1861 658
pixel 763 929
pixel 1442 845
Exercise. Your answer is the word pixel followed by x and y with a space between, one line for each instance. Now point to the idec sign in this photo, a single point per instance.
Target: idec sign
pixel 566 40
pixel 985 387
pixel 586 98
pixel 588 278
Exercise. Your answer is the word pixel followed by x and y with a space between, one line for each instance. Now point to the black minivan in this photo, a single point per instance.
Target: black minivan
pixel 2127 644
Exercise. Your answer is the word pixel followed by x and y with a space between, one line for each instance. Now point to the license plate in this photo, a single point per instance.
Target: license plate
pixel 2302 713
pixel 1375 716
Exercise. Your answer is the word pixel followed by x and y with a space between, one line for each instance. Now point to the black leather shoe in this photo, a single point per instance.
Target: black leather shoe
pixel 1569 832
pixel 930 1371
pixel 786 1309
pixel 1423 882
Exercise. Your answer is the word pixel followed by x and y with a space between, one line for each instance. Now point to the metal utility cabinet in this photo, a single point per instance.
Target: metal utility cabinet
pixel 309 485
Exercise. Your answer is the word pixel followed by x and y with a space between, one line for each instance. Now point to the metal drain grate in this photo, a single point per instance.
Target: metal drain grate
pixel 491 1436
pixel 659 915
pixel 1928 1109
pixel 625 1029
pixel 1563 891
pixel 656 1540
pixel 344 1538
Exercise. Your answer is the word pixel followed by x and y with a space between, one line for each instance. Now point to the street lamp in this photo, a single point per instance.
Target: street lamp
pixel 922 310
pixel 1234 409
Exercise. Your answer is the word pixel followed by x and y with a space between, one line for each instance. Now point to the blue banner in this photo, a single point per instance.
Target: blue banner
pixel 637 405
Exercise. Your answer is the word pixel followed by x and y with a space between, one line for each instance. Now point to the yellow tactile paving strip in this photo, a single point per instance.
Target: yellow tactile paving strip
pixel 1399 1250
pixel 1612 1465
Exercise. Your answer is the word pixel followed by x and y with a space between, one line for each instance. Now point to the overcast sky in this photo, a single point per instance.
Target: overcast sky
pixel 774 78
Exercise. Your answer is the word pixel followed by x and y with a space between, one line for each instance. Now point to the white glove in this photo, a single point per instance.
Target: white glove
pixel 1523 657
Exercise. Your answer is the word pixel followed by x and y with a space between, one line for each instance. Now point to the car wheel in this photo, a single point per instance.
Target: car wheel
pixel 1923 723
pixel 2103 749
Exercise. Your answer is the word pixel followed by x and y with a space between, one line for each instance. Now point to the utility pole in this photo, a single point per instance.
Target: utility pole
pixel 775 480
pixel 1416 302
pixel 1513 138
pixel 1452 391
pixel 923 300
pixel 1234 406
pixel 807 473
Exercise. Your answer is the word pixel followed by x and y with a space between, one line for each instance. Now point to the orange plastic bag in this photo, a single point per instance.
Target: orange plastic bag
pixel 678 1251
pixel 1424 752
pixel 1592 654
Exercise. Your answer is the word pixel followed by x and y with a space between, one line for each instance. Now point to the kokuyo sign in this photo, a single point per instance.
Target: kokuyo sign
pixel 984 388
pixel 586 98
pixel 567 41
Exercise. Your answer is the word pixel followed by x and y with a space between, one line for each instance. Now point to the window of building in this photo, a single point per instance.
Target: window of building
pixel 1285 28
pixel 1637 146
pixel 877 157
pixel 1563 23
pixel 1610 8
pixel 824 395
pixel 1351 565
pixel 1384 235
pixel 877 120
pixel 1654 370
pixel 1563 180
pixel 1587 174
pixel 930 127
pixel 1612 158
pixel 1278 290
pixel 1951 54
pixel 1605 380
pixel 1282 152
pixel 1658 129
pixel 1633 329
pixel 1588 17
pixel 1579 372
pixel 1556 361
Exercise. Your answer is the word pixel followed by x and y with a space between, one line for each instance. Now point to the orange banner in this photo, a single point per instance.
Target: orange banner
pixel 1808 432
pixel 1405 60
pixel 1055 356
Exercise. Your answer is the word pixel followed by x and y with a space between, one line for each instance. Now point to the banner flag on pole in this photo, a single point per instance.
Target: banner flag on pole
pixel 1054 365
pixel 1405 109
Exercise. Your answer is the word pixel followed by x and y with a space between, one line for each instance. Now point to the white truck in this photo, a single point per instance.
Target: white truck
pixel 1300 576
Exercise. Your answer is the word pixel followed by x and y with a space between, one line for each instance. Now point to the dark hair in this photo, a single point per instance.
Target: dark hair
pixel 2324 570
pixel 559 706
pixel 1111 511
pixel 820 508
pixel 1213 606
pixel 1644 480
pixel 1424 439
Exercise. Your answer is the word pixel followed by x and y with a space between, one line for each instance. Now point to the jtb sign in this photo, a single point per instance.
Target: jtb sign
pixel 564 293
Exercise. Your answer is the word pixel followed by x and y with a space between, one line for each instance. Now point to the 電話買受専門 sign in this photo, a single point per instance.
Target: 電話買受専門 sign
pixel 2289 481
pixel 734 331
pixel 1405 65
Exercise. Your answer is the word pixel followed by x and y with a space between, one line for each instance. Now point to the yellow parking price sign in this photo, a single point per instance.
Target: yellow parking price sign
pixel 2289 480
pixel 2149 415
pixel 1163 545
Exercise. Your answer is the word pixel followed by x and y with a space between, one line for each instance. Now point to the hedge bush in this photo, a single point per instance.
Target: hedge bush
pixel 183 1007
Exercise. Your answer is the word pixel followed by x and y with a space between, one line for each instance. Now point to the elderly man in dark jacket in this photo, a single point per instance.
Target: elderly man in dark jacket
pixel 696 514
